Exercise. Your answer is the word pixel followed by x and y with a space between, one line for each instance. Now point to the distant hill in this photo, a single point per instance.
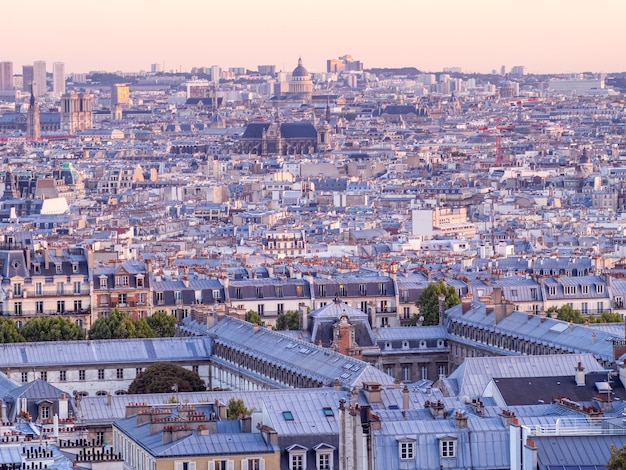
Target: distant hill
pixel 406 71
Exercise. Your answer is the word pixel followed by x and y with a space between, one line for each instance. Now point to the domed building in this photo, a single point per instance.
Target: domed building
pixel 300 85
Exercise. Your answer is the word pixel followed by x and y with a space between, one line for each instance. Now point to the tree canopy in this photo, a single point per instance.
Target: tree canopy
pixel 119 325
pixel 162 324
pixel 428 302
pixel 9 332
pixel 51 328
pixel 237 408
pixel 253 317
pixel 165 377
pixel 290 320
pixel 617 459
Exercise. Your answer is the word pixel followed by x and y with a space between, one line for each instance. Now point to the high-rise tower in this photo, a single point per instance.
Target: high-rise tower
pixel 58 78
pixel 39 78
pixel 6 76
pixel 28 74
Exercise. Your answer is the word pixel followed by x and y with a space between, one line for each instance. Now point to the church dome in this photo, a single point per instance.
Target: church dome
pixel 300 71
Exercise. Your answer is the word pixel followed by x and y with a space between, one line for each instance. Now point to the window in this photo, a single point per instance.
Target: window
pixel 389 370
pixel 218 465
pixel 103 283
pixel 321 290
pixel 76 287
pixel 39 306
pixel 447 448
pixel 406 373
pixel 18 308
pixel 424 372
pixel 407 450
pixel 280 308
pixel 121 300
pixel 259 292
pixel 260 309
pixel 79 323
pixel 122 281
pixel 362 289
pixel 552 290
pixel 120 373
pixel 62 375
pixel 45 412
pixel 513 292
pixel 253 464
pixel 195 369
pixel 406 313
pixel 24 377
pixel 43 375
pixel 279 291
pixel 600 307
pixel 159 297
pixel 59 268
pixel 584 289
pixel 570 290
pixel 60 288
pixel 17 290
pixel 323 461
pixel 100 374
pixel 442 369
pixel 138 371
pixel 363 306
pixel 81 374
pixel 141 298
pixel 216 294
pixel 600 288
pixel 343 291
pixel 533 293
pixel 99 438
pixel 38 288
pixel 584 308
pixel 139 280
pixel 60 306
pixel 288 415
pixel 328 412
pixel 296 462
pixel 382 288
pixel 74 267
pixel 78 305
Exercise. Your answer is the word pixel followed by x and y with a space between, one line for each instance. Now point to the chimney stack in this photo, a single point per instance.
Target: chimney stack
pixel 405 398
pixel 580 375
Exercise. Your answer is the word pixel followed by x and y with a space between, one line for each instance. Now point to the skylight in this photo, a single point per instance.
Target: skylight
pixel 288 415
pixel 328 412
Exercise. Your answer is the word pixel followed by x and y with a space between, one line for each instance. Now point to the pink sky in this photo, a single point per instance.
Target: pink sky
pixel 476 35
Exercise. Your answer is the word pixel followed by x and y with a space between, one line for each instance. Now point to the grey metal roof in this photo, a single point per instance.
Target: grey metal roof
pixel 411 332
pixel 308 359
pixel 476 372
pixel 115 351
pixel 574 451
pixel 550 332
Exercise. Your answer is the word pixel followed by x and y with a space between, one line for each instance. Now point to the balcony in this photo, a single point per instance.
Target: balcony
pixel 32 313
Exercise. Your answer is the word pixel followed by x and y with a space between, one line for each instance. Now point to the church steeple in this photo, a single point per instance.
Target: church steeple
pixel 34 125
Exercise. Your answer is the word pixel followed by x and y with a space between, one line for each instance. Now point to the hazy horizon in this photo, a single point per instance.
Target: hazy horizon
pixel 478 36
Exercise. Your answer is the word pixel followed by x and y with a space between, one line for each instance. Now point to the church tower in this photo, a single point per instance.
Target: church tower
pixel 34 124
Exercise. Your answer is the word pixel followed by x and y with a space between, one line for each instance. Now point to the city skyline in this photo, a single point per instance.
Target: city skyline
pixel 477 36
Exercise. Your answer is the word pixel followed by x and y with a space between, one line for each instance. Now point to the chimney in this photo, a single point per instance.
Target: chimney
pixel 337 385
pixel 46 258
pixel 497 295
pixel 27 257
pixel 63 410
pixel 221 409
pixel 246 424
pixel 109 399
pixel 580 375
pixel 405 398
pixel 304 317
pixel 372 392
pixel 460 419
pixel 442 308
pixel 466 303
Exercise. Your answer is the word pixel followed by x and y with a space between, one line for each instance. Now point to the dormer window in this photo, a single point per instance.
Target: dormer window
pixel 103 282
pixel 37 269
pixel 405 344
pixel 600 288
pixel 139 279
pixel 74 267
pixel 59 268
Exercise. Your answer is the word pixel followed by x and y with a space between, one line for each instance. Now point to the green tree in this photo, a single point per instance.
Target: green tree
pixel 617 459
pixel 51 329
pixel 290 320
pixel 253 317
pixel 606 317
pixel 237 408
pixel 567 313
pixel 428 302
pixel 162 324
pixel 9 332
pixel 163 377
pixel 119 325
